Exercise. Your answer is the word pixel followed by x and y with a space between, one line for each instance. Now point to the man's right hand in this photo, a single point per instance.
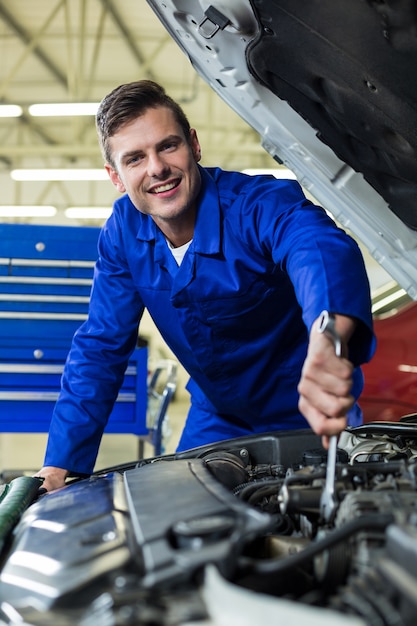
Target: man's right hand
pixel 54 477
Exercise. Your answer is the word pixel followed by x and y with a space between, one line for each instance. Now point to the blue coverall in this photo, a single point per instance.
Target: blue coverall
pixel 263 263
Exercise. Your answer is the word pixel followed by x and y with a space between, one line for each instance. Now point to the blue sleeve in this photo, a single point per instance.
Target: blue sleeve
pixel 97 361
pixel 323 262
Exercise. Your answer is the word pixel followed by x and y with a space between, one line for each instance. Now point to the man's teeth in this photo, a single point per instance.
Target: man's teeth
pixel 166 187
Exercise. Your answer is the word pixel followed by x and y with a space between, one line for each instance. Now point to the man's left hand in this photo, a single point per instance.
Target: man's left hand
pixel 326 381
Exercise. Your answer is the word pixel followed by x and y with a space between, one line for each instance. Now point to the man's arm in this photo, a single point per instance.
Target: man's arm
pixel 326 380
pixel 98 357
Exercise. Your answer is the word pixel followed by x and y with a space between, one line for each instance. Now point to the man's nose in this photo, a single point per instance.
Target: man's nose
pixel 156 164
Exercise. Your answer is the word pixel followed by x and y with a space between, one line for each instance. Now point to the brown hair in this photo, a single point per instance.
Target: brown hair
pixel 126 103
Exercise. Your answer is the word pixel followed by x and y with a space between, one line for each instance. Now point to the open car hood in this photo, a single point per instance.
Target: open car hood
pixel 330 86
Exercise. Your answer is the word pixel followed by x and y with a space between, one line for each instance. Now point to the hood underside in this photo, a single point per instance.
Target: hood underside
pixel 330 87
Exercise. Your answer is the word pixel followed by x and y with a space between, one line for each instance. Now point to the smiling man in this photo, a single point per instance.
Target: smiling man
pixel 234 270
pixel 158 170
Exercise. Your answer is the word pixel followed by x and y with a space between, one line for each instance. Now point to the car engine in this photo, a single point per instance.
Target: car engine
pixel 227 534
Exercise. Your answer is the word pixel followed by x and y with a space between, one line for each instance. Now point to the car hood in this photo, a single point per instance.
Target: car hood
pixel 330 87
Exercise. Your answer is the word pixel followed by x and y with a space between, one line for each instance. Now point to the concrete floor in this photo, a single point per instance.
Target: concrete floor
pixel 25 451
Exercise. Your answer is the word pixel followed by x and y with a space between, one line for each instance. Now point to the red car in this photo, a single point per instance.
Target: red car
pixel 390 390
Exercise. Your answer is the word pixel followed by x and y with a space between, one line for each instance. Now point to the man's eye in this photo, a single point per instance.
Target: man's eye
pixel 169 146
pixel 134 159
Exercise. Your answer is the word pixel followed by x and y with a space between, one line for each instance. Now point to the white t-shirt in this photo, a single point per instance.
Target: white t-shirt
pixel 178 253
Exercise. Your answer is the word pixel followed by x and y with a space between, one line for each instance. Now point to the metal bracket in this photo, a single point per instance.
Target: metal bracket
pixel 213 21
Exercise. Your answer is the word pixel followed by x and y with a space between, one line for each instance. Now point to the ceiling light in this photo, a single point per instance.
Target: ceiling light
pixel 86 213
pixel 10 110
pixel 27 211
pixel 59 174
pixel 63 109
pixel 388 300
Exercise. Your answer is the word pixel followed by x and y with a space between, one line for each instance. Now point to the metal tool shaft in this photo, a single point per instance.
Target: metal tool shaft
pixel 328 499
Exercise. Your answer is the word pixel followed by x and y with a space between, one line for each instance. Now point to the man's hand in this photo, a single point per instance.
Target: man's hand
pixel 54 477
pixel 326 381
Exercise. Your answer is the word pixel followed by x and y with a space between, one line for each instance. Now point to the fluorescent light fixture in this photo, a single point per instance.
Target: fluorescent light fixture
pixel 409 369
pixel 10 110
pixel 388 300
pixel 27 211
pixel 59 109
pixel 59 174
pixel 88 212
pixel 281 172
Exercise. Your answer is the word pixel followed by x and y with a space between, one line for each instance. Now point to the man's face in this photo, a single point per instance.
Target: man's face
pixel 156 165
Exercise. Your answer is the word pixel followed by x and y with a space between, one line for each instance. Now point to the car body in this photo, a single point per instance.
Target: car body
pixel 236 533
pixel 390 390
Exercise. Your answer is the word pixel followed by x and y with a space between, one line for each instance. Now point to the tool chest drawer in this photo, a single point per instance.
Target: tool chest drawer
pixel 28 392
pixel 45 280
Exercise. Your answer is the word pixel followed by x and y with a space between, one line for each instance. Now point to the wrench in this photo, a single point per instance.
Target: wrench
pixel 328 500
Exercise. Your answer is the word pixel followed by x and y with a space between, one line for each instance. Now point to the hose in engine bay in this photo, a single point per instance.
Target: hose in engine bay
pixel 14 500
pixel 372 521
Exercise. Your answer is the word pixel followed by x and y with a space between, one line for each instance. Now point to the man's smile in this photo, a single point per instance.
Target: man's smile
pixel 165 187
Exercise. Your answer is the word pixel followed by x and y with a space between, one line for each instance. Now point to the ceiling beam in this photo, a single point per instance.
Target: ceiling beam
pixel 43 150
pixel 26 38
pixel 82 150
pixel 128 39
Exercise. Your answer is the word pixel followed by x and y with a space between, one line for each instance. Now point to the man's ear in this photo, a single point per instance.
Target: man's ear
pixel 195 145
pixel 114 177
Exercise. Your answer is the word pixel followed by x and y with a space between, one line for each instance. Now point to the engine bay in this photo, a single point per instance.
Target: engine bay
pixel 227 533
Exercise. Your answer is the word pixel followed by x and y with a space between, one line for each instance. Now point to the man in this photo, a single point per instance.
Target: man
pixel 235 271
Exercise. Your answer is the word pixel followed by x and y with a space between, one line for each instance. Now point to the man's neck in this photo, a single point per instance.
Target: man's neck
pixel 177 234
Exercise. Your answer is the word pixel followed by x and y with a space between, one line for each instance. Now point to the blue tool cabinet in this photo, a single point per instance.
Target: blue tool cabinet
pixel 45 280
